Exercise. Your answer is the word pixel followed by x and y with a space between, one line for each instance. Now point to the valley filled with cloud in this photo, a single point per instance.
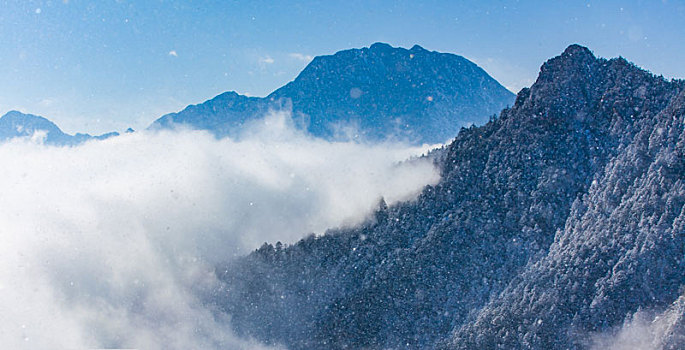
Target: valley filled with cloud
pixel 113 243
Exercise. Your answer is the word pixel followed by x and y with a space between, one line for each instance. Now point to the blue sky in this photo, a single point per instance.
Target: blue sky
pixel 97 66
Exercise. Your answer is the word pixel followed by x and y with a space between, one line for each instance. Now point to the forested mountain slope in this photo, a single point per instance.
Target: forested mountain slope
pixel 553 222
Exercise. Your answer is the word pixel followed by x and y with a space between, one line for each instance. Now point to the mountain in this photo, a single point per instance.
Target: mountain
pixel 556 223
pixel 16 124
pixel 374 93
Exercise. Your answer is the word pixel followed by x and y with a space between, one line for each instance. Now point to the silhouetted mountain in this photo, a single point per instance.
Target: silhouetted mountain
pixel 16 124
pixel 560 219
pixel 223 115
pixel 371 93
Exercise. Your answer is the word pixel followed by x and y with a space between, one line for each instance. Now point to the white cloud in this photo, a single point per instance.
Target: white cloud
pixel 46 102
pixel 646 330
pixel 173 53
pixel 301 57
pixel 112 244
pixel 266 59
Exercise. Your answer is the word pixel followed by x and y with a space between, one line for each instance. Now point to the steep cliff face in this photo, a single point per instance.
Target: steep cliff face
pixel 374 93
pixel 554 221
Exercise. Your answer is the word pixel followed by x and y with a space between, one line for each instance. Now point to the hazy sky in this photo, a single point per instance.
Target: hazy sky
pixel 97 66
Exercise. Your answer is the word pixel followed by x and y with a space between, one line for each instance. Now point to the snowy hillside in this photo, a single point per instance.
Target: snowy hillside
pixel 552 226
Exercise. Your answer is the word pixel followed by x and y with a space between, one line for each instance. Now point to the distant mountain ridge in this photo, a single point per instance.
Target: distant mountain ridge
pixel 373 93
pixel 561 219
pixel 16 124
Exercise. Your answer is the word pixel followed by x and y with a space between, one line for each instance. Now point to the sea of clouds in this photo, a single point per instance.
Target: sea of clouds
pixel 110 244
